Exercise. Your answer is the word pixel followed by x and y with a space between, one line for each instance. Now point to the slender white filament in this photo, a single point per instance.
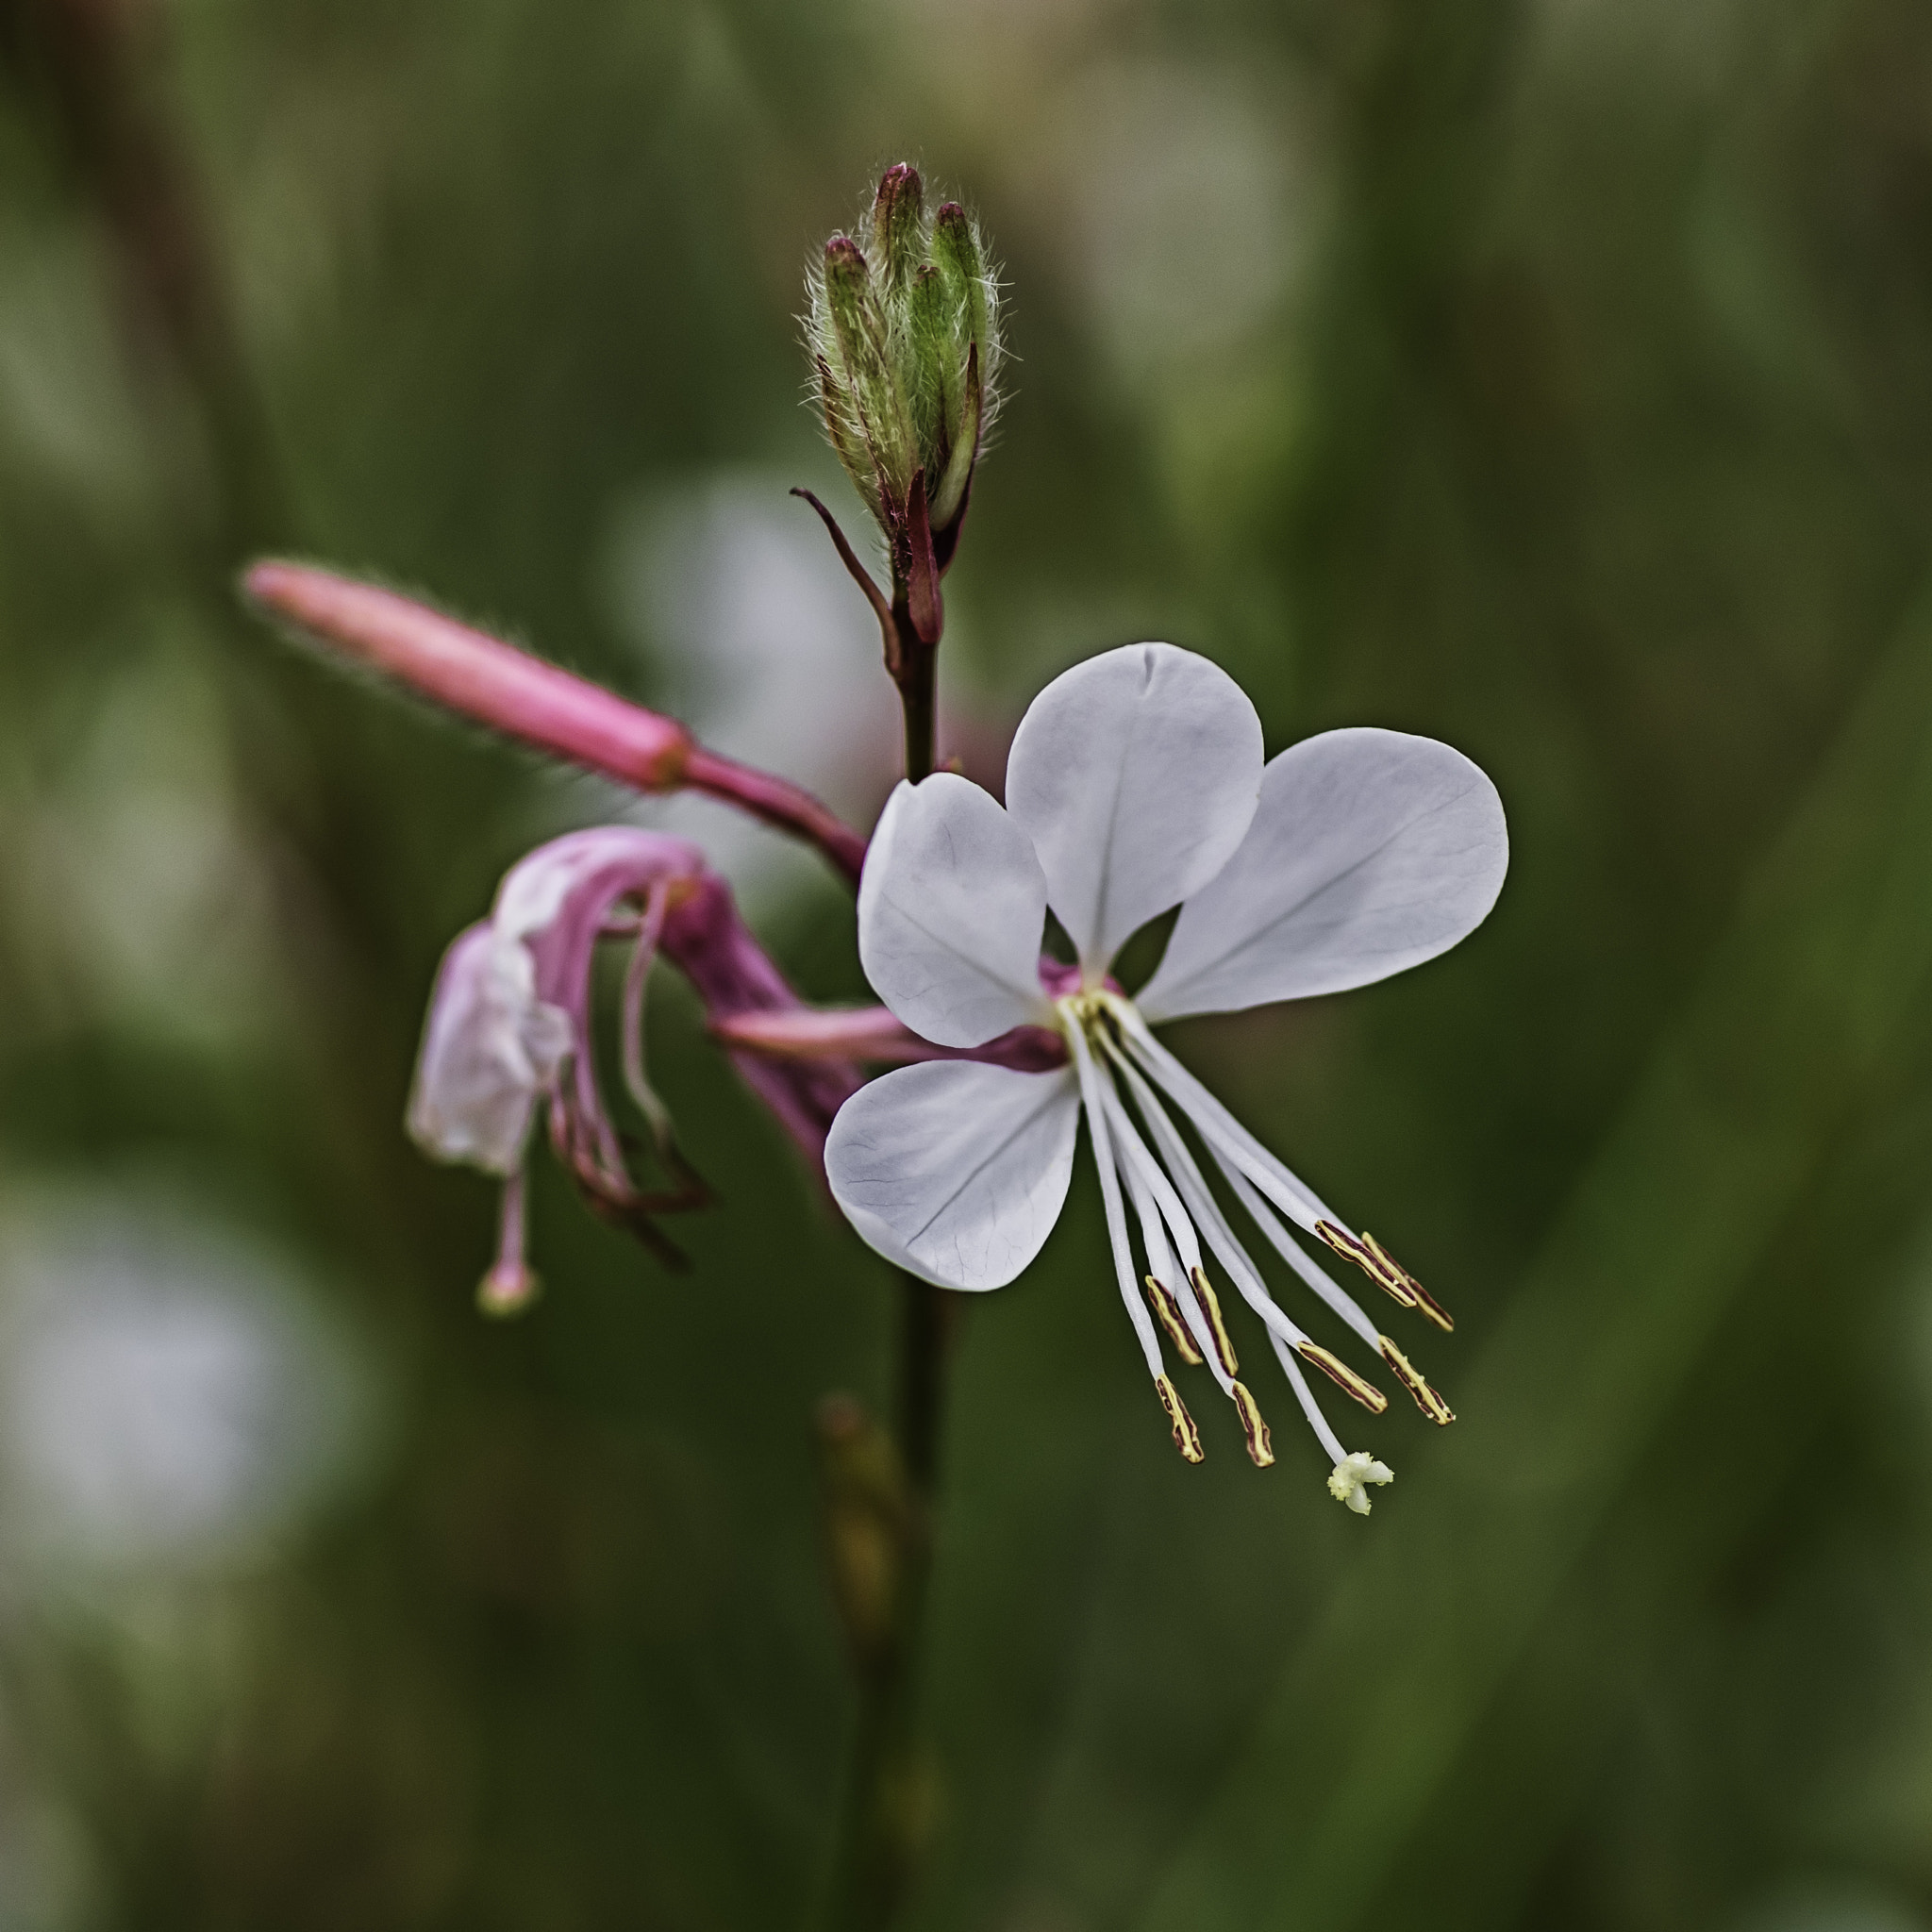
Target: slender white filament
pixel 1291 1251
pixel 1317 1420
pixel 1161 1261
pixel 1282 1333
pixel 1207 1211
pixel 1090 1079
pixel 1299 1201
pixel 1149 1173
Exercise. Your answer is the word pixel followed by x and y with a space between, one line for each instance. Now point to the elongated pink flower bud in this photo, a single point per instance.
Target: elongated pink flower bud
pixel 479 675
pixel 483 678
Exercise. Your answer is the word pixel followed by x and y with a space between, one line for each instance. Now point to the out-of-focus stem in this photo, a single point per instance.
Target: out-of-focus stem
pixel 97 64
pixel 493 683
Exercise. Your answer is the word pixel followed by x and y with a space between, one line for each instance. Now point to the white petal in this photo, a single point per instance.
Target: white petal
pixel 1371 851
pixel 490 1047
pixel 951 908
pixel 1136 773
pixel 955 1169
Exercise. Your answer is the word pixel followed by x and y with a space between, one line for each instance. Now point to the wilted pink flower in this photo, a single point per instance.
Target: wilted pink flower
pixel 511 1026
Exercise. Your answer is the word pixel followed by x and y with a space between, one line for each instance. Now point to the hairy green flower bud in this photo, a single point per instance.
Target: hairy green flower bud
pixel 863 356
pixel 898 225
pixel 957 255
pixel 905 343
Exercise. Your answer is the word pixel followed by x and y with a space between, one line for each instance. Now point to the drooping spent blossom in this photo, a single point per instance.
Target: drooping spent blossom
pixel 904 336
pixel 1136 782
pixel 510 1030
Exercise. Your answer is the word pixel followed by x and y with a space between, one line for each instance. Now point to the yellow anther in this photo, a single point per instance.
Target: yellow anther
pixel 1340 1372
pixel 1260 1443
pixel 1167 1312
pixel 1370 1260
pixel 1210 1306
pixel 1423 1299
pixel 1186 1438
pixel 1426 1399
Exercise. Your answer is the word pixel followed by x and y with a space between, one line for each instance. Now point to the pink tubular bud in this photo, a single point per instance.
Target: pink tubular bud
pixel 479 675
pixel 483 678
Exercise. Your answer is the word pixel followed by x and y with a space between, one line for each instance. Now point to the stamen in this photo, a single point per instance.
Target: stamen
pixel 1091 1083
pixel 1370 1260
pixel 1260 1443
pixel 1283 1336
pixel 650 928
pixel 1202 1205
pixel 1161 1266
pixel 1347 1479
pixel 1168 1310
pixel 1289 1249
pixel 1426 1399
pixel 1210 1306
pixel 1305 1395
pixel 1424 1300
pixel 1161 1212
pixel 580 1128
pixel 1226 1137
pixel 1344 1376
pixel 1287 1189
pixel 1186 1438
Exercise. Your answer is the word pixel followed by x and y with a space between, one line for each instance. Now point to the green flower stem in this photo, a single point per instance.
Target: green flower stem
pixel 918 681
pixel 888 1784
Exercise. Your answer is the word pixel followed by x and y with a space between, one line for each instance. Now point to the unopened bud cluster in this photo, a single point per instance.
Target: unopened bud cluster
pixel 904 333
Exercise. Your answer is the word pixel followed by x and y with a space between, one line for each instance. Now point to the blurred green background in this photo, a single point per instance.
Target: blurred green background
pixel 1551 376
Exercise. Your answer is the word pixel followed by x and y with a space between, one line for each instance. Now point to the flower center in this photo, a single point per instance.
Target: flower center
pixel 1094 1014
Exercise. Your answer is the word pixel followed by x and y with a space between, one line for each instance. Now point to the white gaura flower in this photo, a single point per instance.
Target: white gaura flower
pixel 1136 782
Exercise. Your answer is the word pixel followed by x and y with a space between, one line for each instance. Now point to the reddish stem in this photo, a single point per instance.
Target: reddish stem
pixel 496 684
pixel 736 978
pixel 778 802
